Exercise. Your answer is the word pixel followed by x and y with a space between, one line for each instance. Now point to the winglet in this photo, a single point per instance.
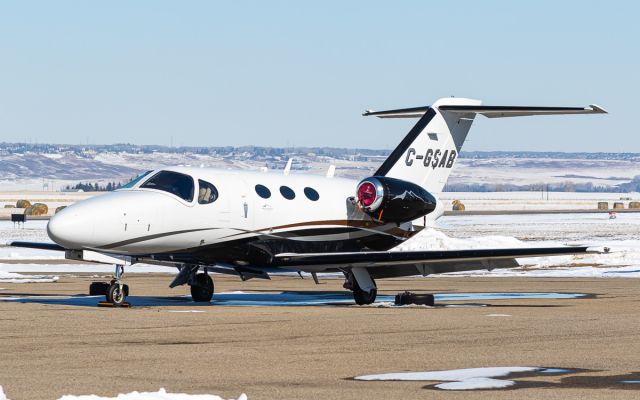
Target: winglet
pixel 597 109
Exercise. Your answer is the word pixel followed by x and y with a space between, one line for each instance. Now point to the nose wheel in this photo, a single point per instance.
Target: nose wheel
pixel 116 294
pixel 117 291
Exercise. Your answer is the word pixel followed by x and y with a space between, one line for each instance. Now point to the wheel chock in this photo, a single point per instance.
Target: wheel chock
pixel 406 298
pixel 107 304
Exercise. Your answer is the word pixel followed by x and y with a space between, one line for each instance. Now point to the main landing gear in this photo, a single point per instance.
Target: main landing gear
pixel 362 285
pixel 202 288
pixel 200 282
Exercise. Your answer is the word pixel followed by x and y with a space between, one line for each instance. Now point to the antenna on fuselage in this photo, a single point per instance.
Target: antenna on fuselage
pixel 287 168
pixel 331 171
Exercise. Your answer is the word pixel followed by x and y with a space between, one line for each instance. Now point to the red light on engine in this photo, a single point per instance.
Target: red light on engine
pixel 367 194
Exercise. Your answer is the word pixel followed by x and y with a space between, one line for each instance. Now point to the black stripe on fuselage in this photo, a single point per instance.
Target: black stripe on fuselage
pixel 313 232
pixel 413 134
pixel 278 235
pixel 151 237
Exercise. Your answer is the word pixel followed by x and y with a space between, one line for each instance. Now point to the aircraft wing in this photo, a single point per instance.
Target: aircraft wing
pixel 420 262
pixel 36 245
pixel 381 264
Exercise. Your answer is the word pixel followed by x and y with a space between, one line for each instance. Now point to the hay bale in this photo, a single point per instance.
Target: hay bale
pixel 58 209
pixel 23 204
pixel 603 205
pixel 618 206
pixel 37 209
pixel 458 205
pixel 634 204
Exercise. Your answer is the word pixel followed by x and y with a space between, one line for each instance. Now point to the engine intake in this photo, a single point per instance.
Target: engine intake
pixel 394 200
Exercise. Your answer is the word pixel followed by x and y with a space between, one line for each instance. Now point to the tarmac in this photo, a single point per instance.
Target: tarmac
pixel 313 352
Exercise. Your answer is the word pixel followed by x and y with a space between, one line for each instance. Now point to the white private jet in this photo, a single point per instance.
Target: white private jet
pixel 249 224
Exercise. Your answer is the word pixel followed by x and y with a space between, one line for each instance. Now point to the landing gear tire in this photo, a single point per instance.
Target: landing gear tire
pixel 117 294
pixel 202 288
pixel 98 288
pixel 363 297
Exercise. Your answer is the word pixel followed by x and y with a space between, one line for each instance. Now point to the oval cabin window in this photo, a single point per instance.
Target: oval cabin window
pixel 263 191
pixel 311 194
pixel 287 192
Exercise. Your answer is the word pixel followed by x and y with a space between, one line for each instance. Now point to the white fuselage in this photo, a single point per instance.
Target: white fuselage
pixel 138 220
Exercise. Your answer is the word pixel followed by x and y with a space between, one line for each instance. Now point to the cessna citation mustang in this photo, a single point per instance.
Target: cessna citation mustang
pixel 250 224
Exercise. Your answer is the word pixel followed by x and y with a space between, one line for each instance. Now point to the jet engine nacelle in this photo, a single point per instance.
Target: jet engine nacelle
pixel 394 200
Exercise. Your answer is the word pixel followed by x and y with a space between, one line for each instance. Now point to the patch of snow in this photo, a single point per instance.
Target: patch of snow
pixel 10 277
pixel 159 395
pixel 17 253
pixel 484 232
pixel 432 239
pixel 83 268
pixel 476 383
pixel 457 379
pixel 554 271
pixel 53 156
pixel 2 395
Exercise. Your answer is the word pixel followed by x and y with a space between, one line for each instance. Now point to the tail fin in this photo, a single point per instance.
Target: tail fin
pixel 428 153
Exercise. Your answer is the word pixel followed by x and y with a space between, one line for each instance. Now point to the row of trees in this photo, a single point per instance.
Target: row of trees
pixel 633 186
pixel 96 187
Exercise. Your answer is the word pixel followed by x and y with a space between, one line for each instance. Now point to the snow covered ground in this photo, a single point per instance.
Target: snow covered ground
pixel 11 277
pixel 519 201
pixel 463 379
pixel 621 235
pixel 159 395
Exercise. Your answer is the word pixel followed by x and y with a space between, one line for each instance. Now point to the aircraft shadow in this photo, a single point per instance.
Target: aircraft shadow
pixel 282 299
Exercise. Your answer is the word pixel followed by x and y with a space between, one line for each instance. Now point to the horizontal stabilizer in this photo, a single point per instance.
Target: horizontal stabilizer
pixel 509 111
pixel 415 112
pixel 488 111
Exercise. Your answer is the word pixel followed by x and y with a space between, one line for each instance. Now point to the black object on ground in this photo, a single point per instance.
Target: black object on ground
pixel 18 218
pixel 101 288
pixel 406 298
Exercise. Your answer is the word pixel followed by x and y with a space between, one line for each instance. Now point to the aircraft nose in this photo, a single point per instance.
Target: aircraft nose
pixel 72 227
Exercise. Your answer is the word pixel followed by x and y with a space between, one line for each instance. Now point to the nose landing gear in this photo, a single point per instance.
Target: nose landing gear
pixel 117 291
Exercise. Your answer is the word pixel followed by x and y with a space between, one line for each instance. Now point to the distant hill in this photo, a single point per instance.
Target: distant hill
pixel 475 171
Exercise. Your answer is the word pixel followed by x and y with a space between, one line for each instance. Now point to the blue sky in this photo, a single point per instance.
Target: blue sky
pixel 300 73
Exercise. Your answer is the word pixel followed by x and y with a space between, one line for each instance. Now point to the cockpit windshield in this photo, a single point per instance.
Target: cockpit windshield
pixel 175 183
pixel 135 180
